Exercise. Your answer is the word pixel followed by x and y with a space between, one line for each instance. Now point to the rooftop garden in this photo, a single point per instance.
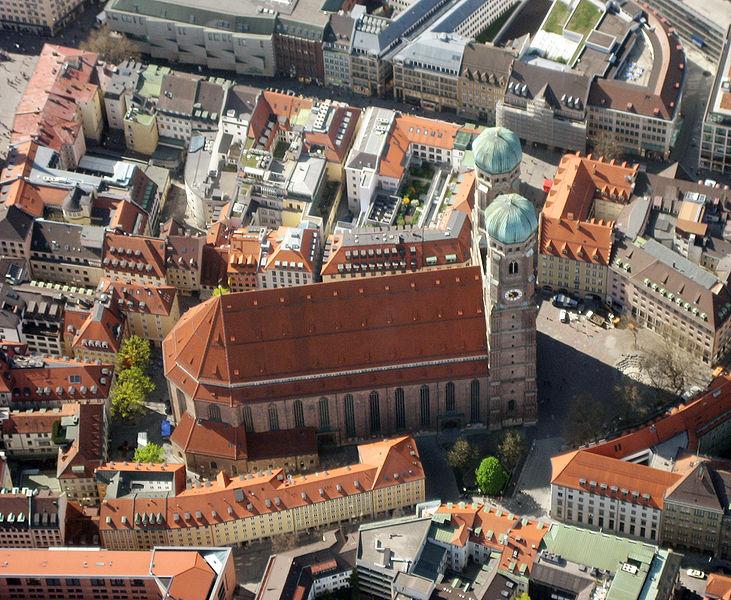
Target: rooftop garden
pixel 584 18
pixel 557 17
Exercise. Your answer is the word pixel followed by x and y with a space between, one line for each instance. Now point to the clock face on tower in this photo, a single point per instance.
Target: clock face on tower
pixel 513 295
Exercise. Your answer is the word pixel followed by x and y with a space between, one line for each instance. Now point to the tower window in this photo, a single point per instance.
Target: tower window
pixel 513 268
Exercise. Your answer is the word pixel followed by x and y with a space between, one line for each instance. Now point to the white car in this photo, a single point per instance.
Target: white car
pixel 696 574
pixel 564 317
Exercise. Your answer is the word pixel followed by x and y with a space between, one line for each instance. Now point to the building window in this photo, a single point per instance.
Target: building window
pixel 400 409
pixel 375 412
pixel 449 396
pixel 299 414
pixel 248 419
pixel 214 413
pixel 324 414
pixel 425 417
pixel 273 418
pixel 475 401
pixel 511 405
pixel 349 416
pixel 513 268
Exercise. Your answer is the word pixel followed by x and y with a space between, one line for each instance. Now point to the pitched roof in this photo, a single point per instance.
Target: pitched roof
pixel 88 450
pixel 703 485
pixel 53 380
pixel 134 254
pixel 211 438
pixel 229 499
pixel 36 421
pixel 410 129
pixel 661 97
pixel 47 112
pixel 102 329
pixel 612 478
pixel 141 298
pixel 16 225
pixel 566 228
pixel 186 572
pixel 718 587
pixel 276 341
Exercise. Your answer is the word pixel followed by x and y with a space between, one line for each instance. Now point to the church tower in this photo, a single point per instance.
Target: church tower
pixel 504 237
pixel 497 155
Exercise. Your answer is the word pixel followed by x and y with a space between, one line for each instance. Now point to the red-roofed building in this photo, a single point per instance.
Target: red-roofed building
pixel 231 510
pixel 631 484
pixel 209 446
pixel 134 258
pixel 576 230
pixel 150 311
pixel 718 587
pixel 32 519
pixel 62 103
pixel 182 574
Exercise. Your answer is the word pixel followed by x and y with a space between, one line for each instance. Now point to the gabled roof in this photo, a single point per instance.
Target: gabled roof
pixel 228 499
pixel 141 298
pixel 134 254
pixel 88 450
pixel 102 330
pixel 258 343
pixel 612 478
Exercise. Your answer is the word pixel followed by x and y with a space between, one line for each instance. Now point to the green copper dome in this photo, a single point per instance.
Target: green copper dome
pixel 497 150
pixel 510 219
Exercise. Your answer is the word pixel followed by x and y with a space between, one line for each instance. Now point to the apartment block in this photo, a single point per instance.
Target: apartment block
pixel 93 574
pixel 240 509
pixel 483 79
pixel 44 17
pixel 32 518
pixel 715 143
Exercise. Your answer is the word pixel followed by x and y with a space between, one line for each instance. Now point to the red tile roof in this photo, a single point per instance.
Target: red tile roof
pixel 612 478
pixel 188 574
pixel 141 298
pixel 718 587
pixel 211 438
pixel 36 421
pixel 228 499
pixel 134 254
pixel 52 381
pixel 517 538
pixel 277 342
pixel 567 224
pixel 47 112
pixel 88 450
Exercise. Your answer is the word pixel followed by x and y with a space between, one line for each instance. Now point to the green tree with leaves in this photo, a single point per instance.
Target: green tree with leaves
pixel 490 476
pixel 354 585
pixel 463 456
pixel 134 352
pixel 523 596
pixel 130 392
pixel 152 453
pixel 220 290
pixel 512 448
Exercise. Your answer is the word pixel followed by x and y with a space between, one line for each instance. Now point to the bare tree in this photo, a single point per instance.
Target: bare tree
pixel 669 368
pixel 585 419
pixel 110 46
pixel 604 144
pixel 283 543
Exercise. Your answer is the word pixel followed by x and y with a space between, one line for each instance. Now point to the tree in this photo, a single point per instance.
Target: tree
pixel 354 585
pixel 523 596
pixel 110 46
pixel 585 420
pixel 605 145
pixel 512 448
pixel 152 453
pixel 130 392
pixel 668 368
pixel 220 290
pixel 134 352
pixel 283 543
pixel 462 456
pixel 491 477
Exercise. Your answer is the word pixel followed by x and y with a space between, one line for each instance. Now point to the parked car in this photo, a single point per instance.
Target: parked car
pixel 564 316
pixel 696 574
pixel 564 301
